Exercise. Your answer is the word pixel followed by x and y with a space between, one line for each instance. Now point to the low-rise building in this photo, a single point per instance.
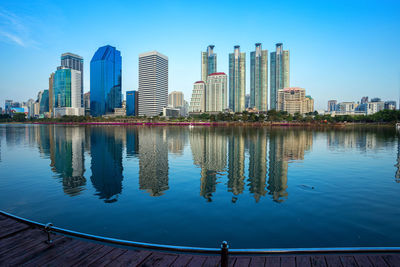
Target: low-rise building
pixel 294 100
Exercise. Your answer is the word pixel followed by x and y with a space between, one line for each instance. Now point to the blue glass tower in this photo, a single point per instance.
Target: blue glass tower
pixel 105 81
pixel 132 103
pixel 44 102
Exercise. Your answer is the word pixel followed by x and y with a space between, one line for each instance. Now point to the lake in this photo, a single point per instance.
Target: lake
pixel 197 186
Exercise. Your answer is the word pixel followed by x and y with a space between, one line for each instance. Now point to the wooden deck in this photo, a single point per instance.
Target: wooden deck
pixel 24 245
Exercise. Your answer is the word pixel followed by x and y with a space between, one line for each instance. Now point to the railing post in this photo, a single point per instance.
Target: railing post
pixel 47 228
pixel 224 254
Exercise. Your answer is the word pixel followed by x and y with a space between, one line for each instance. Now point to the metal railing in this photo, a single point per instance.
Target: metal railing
pixel 224 251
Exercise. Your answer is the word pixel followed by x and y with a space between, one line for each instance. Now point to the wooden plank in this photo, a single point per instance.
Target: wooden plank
pixel 13 242
pixel 348 261
pixel 392 260
pixel 377 261
pixel 303 261
pixel 318 261
pixel 76 254
pixel 242 261
pixel 212 261
pixel 197 261
pixel 333 261
pixel 363 261
pixel 42 257
pixel 36 249
pixel 288 261
pixel 257 261
pixel 182 260
pixel 272 261
pixel 107 259
pixel 160 259
pixel 131 258
pixel 95 256
pixel 11 228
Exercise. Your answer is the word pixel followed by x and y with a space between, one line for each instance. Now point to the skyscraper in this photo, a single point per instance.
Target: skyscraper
pixel 44 101
pixel 208 63
pixel 216 92
pixel 259 78
pixel 105 81
pixel 279 77
pixel 51 94
pixel 153 83
pixel 75 62
pixel 132 103
pixel 67 93
pixel 237 80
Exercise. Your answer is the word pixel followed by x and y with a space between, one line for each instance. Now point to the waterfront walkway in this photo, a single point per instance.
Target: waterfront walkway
pixel 22 244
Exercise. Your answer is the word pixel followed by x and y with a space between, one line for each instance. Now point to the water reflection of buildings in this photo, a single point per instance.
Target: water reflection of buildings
pixel 132 142
pixel 66 148
pixel 209 150
pixel 397 175
pixel 236 140
pixel 177 139
pixel 153 160
pixel 257 145
pixel 106 151
pixel 284 146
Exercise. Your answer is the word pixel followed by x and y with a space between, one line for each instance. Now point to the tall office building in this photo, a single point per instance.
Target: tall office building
pixel 153 83
pixel 237 80
pixel 259 79
pixel 332 105
pixel 132 101
pixel 175 99
pixel 67 93
pixel 198 100
pixel 208 63
pixel 279 77
pixel 51 94
pixel 7 106
pixel 75 62
pixel 105 81
pixel 216 92
pixel 44 101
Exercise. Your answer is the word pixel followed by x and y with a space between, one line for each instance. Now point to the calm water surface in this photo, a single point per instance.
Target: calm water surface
pixel 255 187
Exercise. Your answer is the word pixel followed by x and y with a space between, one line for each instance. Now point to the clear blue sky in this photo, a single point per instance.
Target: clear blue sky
pixel 338 49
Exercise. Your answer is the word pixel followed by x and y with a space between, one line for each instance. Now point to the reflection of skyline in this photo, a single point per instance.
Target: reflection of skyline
pixel 231 159
pixel 153 160
pixel 106 151
pixel 209 149
pixel 397 175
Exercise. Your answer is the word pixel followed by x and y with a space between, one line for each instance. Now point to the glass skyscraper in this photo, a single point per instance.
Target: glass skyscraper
pixel 237 80
pixel 279 77
pixel 44 102
pixel 75 62
pixel 67 88
pixel 259 79
pixel 105 81
pixel 132 103
pixel 208 63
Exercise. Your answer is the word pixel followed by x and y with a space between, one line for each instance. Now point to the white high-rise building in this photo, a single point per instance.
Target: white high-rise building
pixel 216 92
pixel 175 99
pixel 153 83
pixel 197 102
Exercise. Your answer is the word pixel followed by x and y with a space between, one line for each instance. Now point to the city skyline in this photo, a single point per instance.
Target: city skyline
pixel 319 44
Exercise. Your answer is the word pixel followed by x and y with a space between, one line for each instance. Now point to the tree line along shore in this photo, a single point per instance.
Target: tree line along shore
pixel 272 117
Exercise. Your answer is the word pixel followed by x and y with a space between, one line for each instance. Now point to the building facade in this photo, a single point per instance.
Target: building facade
pixel 279 73
pixel 237 80
pixel 216 92
pixel 175 99
pixel 198 100
pixel 294 100
pixel 51 94
pixel 86 103
pixel 347 107
pixel 75 62
pixel 44 101
pixel 132 103
pixel 332 105
pixel 105 81
pixel 259 78
pixel 208 63
pixel 67 93
pixel 153 83
pixel 391 105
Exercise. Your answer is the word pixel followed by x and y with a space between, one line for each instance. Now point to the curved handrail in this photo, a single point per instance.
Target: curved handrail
pixel 201 250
